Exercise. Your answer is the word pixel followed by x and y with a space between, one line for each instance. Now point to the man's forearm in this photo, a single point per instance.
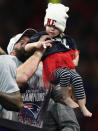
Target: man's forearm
pixel 27 69
pixel 2 51
pixel 11 101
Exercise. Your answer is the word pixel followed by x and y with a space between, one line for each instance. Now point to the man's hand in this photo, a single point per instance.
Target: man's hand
pixel 39 45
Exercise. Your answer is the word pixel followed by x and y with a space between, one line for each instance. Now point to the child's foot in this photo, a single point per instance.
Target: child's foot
pixel 71 103
pixel 86 112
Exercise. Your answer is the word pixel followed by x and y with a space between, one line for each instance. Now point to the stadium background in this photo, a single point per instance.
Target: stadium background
pixel 82 25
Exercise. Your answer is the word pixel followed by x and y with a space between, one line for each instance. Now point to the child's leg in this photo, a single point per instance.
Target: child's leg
pixel 63 76
pixel 80 93
pixel 85 111
pixel 66 91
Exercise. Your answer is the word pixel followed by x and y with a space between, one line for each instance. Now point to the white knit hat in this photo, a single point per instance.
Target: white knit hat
pixel 28 32
pixel 56 14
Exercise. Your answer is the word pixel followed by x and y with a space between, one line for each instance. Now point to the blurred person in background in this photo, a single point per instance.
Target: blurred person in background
pixel 10 97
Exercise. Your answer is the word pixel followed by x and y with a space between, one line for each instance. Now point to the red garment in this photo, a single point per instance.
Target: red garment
pixel 55 61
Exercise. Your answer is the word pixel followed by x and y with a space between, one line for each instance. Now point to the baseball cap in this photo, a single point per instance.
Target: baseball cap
pixel 28 32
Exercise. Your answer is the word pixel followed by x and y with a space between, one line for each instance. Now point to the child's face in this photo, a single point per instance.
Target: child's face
pixel 52 31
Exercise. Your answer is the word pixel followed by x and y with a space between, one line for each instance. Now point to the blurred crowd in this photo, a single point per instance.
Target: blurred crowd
pixel 82 25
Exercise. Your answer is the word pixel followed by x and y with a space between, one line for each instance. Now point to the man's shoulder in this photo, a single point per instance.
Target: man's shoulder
pixel 16 60
pixel 6 56
pixel 5 59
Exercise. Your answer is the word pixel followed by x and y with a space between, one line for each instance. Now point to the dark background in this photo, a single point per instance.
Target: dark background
pixel 82 25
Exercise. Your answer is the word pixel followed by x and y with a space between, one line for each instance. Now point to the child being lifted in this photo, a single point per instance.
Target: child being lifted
pixel 60 60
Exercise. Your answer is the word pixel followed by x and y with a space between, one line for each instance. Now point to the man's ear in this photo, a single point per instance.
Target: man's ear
pixel 12 53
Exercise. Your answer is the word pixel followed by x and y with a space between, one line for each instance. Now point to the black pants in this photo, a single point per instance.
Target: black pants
pixel 60 118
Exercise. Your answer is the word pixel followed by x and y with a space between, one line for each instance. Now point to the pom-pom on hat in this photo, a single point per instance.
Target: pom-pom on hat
pixel 28 32
pixel 56 15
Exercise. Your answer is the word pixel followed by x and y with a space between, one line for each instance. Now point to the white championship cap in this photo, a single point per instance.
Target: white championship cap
pixel 28 32
pixel 56 14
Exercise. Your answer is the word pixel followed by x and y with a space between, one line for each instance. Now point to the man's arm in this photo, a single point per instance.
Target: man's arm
pixel 11 101
pixel 28 68
pixel 2 51
pixel 10 97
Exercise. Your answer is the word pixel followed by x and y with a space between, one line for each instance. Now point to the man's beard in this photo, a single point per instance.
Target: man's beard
pixel 22 55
